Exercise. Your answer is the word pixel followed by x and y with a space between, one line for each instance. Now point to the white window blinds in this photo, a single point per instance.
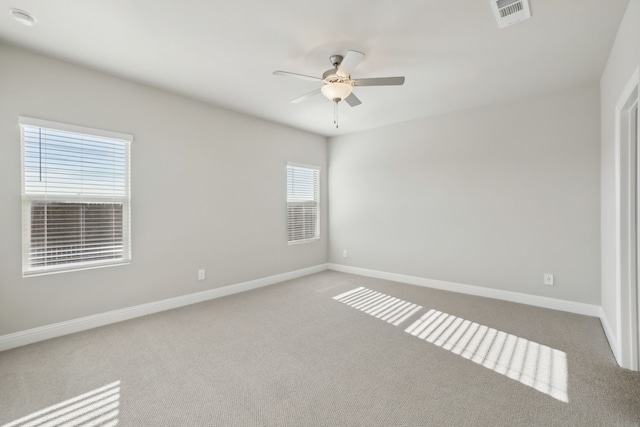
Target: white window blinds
pixel 75 197
pixel 303 203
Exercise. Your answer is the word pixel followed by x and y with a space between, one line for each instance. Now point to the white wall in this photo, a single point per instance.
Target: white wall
pixel 208 191
pixel 623 61
pixel 493 197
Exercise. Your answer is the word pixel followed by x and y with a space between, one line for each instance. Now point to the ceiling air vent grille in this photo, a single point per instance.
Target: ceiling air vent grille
pixel 511 9
pixel 509 12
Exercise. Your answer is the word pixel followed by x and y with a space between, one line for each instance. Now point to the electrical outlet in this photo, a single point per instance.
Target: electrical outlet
pixel 344 253
pixel 548 279
pixel 201 274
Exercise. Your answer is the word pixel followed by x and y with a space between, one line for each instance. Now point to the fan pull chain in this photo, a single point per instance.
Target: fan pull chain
pixel 335 114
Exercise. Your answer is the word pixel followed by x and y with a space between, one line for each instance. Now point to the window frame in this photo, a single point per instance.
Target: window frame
pixel 317 170
pixel 27 200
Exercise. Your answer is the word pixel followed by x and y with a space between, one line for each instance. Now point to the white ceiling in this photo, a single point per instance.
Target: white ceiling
pixel 224 52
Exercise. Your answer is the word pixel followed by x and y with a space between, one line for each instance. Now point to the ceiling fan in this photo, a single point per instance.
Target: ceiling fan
pixel 337 84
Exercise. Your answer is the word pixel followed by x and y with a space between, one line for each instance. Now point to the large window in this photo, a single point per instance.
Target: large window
pixel 303 203
pixel 75 197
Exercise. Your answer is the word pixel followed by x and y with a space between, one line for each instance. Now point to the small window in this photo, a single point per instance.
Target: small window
pixel 75 197
pixel 303 203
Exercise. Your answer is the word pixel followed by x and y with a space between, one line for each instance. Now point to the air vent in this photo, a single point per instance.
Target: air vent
pixel 509 12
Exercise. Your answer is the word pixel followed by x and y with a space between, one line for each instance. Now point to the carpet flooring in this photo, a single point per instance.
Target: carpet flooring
pixel 330 349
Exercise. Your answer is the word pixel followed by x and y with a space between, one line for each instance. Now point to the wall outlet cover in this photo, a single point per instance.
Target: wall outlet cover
pixel 548 279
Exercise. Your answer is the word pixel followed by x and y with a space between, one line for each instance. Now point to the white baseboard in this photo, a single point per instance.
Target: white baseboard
pixel 538 301
pixel 611 337
pixel 42 333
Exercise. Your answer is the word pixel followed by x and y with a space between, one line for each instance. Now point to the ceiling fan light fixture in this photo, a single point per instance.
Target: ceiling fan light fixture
pixel 336 91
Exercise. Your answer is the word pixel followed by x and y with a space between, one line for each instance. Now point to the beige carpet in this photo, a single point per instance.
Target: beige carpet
pixel 317 351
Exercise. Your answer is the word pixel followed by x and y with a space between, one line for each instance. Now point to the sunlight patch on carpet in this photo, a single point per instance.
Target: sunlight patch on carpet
pixel 95 408
pixel 384 307
pixel 535 365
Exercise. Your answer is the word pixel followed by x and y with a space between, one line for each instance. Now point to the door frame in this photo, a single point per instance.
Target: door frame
pixel 627 212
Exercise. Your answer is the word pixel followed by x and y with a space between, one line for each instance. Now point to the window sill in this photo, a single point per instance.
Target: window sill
pixel 298 242
pixel 46 272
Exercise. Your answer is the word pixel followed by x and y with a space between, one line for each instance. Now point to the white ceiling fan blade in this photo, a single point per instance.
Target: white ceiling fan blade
pixel 352 100
pixel 380 81
pixel 295 75
pixel 305 96
pixel 349 63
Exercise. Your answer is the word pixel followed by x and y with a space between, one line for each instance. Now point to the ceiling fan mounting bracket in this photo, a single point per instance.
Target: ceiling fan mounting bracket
pixel 336 60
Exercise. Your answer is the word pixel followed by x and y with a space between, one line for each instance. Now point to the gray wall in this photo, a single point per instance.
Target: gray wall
pixel 493 197
pixel 208 191
pixel 623 61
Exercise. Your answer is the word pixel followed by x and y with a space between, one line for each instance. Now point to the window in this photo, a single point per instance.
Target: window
pixel 303 203
pixel 75 197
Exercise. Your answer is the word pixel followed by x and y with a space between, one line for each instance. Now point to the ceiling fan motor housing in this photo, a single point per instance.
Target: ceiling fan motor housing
pixel 331 76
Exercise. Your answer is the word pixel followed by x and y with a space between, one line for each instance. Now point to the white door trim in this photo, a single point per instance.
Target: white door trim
pixel 626 236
